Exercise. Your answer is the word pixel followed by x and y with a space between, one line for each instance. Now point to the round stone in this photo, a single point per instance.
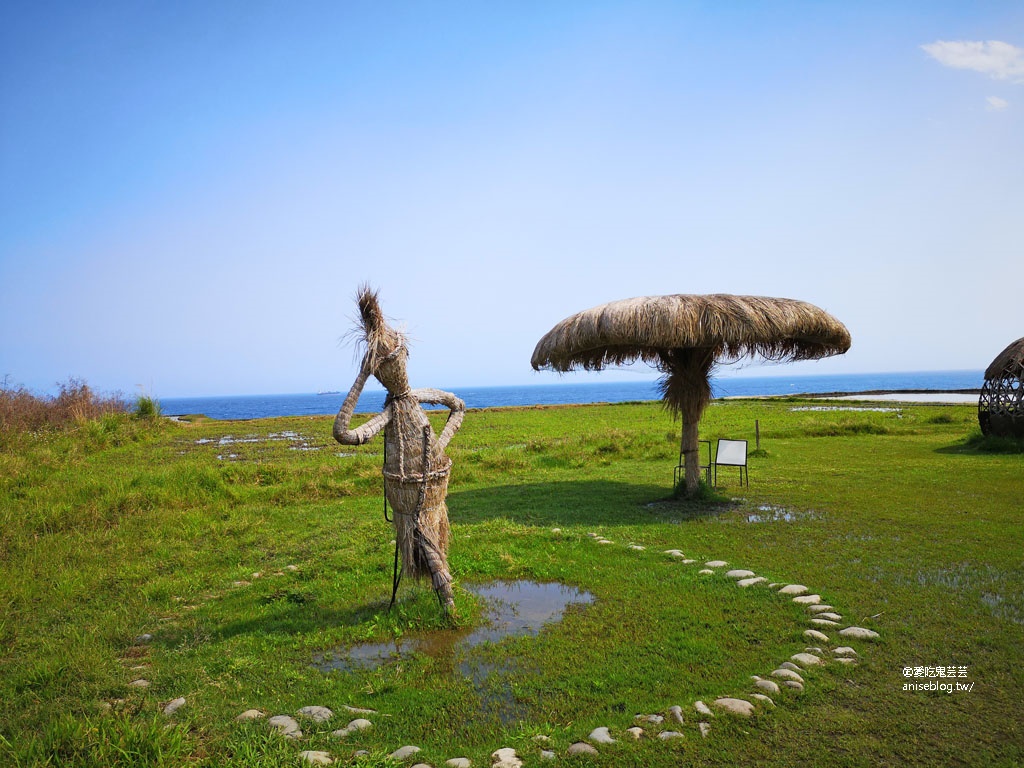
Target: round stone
pixel 705 729
pixel 140 683
pixel 676 713
pixel 649 718
pixel 174 706
pixel 807 599
pixel 359 724
pixel 404 753
pixel 285 725
pixel 674 553
pixel 793 589
pixel 547 754
pixel 581 748
pixel 316 757
pixel 703 709
pixel 859 633
pixel 767 685
pixel 733 706
pixel 815 635
pixel 762 698
pixel 824 623
pixel 505 757
pixel 637 547
pixel 787 674
pixel 739 574
pixel 844 650
pixel 716 563
pixel 751 582
pixel 636 732
pixel 806 659
pixel 819 608
pixel 706 572
pixel 828 615
pixel 601 736
pixel 794 685
pixel 668 735
pixel 250 714
pixel 790 665
pixel 316 714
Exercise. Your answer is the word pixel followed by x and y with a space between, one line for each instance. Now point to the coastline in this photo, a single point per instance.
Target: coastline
pixel 920 396
pixel 906 396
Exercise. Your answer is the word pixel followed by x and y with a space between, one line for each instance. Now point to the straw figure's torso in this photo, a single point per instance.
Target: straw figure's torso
pixel 416 488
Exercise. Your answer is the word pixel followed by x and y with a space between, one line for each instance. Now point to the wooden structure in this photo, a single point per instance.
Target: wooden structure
pixel 685 337
pixel 1001 404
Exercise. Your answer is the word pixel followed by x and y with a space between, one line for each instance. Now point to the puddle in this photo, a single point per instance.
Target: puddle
pixel 299 443
pixel 769 514
pixel 511 609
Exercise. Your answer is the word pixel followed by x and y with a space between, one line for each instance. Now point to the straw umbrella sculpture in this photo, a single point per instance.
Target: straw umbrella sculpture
pixel 416 468
pixel 685 336
pixel 1001 403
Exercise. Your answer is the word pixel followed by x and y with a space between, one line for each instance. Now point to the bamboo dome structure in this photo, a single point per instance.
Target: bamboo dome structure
pixel 685 337
pixel 1001 404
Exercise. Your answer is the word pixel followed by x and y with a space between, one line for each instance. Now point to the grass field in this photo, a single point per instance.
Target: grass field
pixel 245 549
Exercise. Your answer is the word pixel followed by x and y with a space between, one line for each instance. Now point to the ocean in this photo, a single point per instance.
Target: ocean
pixel 561 393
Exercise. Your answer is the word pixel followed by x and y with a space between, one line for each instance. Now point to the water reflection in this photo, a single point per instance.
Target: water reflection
pixel 511 609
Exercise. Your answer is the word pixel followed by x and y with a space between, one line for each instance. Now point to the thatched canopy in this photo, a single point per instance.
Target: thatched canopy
pixel 685 336
pixel 1009 362
pixel 729 327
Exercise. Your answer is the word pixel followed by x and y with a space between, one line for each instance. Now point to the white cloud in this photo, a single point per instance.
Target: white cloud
pixel 995 104
pixel 994 58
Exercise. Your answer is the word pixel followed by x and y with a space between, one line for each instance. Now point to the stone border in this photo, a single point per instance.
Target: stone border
pixel 787 678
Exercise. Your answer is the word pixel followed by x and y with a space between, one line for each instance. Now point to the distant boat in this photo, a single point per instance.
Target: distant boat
pixel 328 392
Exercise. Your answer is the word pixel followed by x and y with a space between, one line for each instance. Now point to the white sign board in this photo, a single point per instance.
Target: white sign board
pixel 732 452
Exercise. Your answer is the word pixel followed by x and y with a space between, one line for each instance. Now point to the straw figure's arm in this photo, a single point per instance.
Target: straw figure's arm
pixel 450 401
pixel 367 431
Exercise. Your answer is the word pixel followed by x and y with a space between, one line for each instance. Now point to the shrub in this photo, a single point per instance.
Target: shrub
pixel 147 407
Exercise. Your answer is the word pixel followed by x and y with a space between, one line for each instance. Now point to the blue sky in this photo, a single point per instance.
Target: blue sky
pixel 192 191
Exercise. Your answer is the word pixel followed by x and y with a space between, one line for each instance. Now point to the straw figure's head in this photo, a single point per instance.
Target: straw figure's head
pixel 386 350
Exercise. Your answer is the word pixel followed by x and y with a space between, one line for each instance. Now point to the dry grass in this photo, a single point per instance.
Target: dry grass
pixel 23 411
pixel 730 327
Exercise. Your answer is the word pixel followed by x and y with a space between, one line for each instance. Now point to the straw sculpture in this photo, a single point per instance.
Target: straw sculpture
pixel 416 468
pixel 1001 404
pixel 685 337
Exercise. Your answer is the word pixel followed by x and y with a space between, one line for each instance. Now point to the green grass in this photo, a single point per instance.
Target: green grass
pixel 907 522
